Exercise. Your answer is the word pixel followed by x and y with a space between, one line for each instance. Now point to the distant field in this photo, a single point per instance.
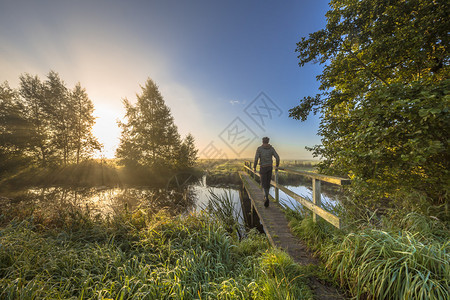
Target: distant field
pixel 225 172
pixel 236 164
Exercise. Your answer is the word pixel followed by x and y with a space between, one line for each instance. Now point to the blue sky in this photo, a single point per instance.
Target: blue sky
pixel 227 69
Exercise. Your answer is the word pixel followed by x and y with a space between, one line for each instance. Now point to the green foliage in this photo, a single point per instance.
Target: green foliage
pixel 149 136
pixel 223 208
pixel 187 153
pixel 142 255
pixel 254 244
pixel 315 234
pixel 46 122
pixel 398 141
pixel 385 99
pixel 407 262
pixel 84 143
pixel 391 266
pixel 430 228
pixel 13 132
pixel 283 278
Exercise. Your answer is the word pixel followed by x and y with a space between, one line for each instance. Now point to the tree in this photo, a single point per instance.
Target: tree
pixel 188 152
pixel 31 91
pixel 60 120
pixel 84 142
pixel 14 131
pixel 149 136
pixel 129 151
pixel 60 110
pixel 11 120
pixel 385 95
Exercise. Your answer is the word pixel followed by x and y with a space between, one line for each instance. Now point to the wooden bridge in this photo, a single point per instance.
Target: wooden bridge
pixel 274 222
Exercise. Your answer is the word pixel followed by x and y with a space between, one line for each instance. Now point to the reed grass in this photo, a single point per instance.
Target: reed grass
pixel 387 265
pixel 223 207
pixel 141 254
pixel 406 261
pixel 282 278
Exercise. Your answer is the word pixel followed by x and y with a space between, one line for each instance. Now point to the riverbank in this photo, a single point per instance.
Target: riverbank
pixel 147 253
pixel 378 257
pixel 92 173
pixel 408 259
pixel 107 173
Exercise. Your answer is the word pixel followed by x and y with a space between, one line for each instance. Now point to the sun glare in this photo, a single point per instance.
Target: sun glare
pixel 106 130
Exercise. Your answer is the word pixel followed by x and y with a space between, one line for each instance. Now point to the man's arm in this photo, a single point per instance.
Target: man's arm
pixel 257 155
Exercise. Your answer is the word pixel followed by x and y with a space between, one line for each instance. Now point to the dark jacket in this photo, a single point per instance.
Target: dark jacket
pixel 264 154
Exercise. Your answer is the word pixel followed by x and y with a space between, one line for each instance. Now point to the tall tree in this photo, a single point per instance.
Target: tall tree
pixel 84 142
pixel 60 120
pixel 32 95
pixel 188 152
pixel 14 130
pixel 129 151
pixel 60 109
pixel 149 135
pixel 385 95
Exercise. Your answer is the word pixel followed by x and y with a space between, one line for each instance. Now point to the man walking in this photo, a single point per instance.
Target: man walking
pixel 264 154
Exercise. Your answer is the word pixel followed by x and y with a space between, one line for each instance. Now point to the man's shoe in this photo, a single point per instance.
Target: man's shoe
pixel 266 203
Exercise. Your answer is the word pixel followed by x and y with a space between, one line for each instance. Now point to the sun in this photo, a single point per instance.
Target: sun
pixel 106 129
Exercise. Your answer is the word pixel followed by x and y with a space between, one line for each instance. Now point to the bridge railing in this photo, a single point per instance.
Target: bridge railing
pixel 315 205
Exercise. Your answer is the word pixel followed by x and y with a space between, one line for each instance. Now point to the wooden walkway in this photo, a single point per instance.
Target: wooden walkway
pixel 275 225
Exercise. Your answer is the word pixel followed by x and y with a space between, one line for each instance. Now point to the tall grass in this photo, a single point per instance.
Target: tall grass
pixel 281 278
pixel 409 261
pixel 223 208
pixel 141 254
pixel 391 266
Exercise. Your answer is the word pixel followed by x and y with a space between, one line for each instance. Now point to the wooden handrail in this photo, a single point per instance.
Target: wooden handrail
pixel 314 206
pixel 321 177
pixel 313 175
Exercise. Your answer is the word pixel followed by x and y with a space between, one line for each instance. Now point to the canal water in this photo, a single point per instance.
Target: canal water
pixel 106 201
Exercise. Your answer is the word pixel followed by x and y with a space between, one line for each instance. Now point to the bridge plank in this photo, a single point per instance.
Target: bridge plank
pixel 329 217
pixel 278 232
pixel 275 223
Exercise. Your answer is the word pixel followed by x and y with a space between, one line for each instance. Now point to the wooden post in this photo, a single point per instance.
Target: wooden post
pixel 277 191
pixel 316 196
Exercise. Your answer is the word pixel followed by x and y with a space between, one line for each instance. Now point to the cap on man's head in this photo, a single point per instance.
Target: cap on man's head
pixel 265 140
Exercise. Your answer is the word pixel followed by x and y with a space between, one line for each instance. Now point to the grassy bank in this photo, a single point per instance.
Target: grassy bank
pixel 145 254
pixel 405 261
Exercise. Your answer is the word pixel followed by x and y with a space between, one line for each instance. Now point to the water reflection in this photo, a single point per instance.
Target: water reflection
pixel 109 201
pixel 329 197
pixel 46 203
pixel 51 203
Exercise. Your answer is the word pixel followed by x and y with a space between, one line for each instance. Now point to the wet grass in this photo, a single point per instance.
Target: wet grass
pixel 223 208
pixel 408 260
pixel 147 253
